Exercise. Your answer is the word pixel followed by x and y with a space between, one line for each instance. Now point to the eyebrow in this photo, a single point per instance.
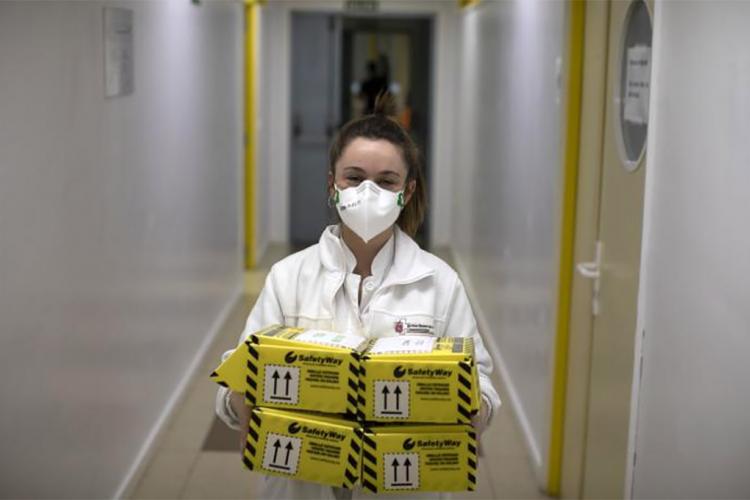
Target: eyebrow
pixel 361 170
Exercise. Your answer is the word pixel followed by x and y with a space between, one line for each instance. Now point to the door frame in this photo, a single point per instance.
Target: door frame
pixel 250 55
pixel 580 321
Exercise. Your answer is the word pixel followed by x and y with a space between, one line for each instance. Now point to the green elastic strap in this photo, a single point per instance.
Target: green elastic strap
pixel 401 199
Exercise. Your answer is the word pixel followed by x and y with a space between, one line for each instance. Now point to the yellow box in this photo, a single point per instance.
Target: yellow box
pixel 303 446
pixel 293 368
pixel 404 458
pixel 418 379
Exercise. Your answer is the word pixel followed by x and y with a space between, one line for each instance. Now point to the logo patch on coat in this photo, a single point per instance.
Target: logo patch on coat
pixel 404 327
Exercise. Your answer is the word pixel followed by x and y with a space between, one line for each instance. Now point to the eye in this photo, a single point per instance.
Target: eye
pixel 353 179
pixel 389 184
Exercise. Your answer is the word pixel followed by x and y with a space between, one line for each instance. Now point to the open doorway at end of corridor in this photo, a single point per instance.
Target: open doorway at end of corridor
pixel 339 63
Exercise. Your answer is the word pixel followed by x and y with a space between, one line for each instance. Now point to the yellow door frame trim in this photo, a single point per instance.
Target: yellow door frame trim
pixel 577 13
pixel 468 3
pixel 250 49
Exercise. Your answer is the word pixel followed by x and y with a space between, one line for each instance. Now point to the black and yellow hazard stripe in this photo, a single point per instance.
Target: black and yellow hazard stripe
pixel 215 377
pixel 353 461
pixel 362 388
pixel 464 392
pixel 253 378
pixel 352 386
pixel 251 443
pixel 369 464
pixel 471 471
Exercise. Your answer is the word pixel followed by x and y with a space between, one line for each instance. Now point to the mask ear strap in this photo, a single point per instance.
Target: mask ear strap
pixel 333 200
pixel 400 199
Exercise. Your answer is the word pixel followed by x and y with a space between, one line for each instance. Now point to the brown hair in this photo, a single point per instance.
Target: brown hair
pixel 382 125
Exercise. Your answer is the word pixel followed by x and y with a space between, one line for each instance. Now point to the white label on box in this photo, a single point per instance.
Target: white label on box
pixel 281 453
pixel 281 384
pixel 404 344
pixel 391 399
pixel 331 339
pixel 401 471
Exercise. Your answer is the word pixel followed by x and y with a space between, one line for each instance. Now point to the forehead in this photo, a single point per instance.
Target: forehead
pixel 372 156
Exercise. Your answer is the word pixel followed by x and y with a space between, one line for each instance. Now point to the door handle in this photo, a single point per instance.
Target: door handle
pixel 592 270
pixel 588 270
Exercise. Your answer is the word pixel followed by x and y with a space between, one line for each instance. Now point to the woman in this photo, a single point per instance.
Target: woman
pixel 366 275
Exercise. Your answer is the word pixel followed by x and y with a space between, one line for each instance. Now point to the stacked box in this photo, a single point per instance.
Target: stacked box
pixel 418 379
pixel 293 368
pixel 290 376
pixel 408 458
pixel 304 446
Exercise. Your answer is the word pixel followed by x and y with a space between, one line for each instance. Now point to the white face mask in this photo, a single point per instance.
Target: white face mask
pixel 367 209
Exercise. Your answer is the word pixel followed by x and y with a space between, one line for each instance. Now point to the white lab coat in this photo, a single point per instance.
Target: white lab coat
pixel 417 293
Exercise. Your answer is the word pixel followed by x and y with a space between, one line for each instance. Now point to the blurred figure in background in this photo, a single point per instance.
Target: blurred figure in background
pixel 377 81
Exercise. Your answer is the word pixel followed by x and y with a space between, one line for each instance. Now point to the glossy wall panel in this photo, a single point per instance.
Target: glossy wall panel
pixel 693 423
pixel 507 180
pixel 119 230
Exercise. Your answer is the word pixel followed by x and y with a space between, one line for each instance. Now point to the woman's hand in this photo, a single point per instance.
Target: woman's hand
pixel 479 422
pixel 237 402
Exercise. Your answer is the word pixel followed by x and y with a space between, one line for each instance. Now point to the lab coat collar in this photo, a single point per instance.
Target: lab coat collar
pixel 381 264
pixel 407 267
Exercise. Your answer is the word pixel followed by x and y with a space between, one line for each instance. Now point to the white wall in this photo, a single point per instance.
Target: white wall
pixel 119 231
pixel 274 136
pixel 693 422
pixel 506 204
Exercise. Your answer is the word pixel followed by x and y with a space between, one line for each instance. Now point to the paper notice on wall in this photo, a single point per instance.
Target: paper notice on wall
pixel 637 84
pixel 119 67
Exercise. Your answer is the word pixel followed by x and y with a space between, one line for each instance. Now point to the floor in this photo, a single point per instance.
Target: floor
pixel 198 457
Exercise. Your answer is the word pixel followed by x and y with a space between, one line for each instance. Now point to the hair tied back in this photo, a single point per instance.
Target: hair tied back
pixel 385 104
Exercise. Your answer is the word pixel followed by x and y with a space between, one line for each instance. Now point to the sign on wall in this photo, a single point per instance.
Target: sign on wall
pixel 362 5
pixel 119 66
pixel 637 83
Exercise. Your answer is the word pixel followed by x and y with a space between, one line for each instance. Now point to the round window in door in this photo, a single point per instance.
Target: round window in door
pixel 634 85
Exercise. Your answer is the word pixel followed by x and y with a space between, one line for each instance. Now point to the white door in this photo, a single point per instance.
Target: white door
pixel 315 116
pixel 614 306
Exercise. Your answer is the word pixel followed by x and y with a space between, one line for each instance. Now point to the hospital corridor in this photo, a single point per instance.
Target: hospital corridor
pixel 350 249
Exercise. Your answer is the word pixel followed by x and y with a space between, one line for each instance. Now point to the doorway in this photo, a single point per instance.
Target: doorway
pixel 337 61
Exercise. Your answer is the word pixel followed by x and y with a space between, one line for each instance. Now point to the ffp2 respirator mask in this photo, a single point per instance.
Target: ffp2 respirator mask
pixel 367 209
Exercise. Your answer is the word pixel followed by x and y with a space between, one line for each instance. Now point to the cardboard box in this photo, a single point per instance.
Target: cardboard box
pixel 293 368
pixel 418 379
pixel 303 446
pixel 408 458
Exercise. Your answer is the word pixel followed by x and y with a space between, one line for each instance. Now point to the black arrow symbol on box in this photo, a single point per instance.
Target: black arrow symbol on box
pixel 395 470
pixel 385 397
pixel 397 392
pixel 276 447
pixel 289 448
pixel 287 377
pixel 275 378
pixel 407 464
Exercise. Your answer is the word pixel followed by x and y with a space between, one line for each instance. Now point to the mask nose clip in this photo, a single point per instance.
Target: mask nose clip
pixel 368 185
